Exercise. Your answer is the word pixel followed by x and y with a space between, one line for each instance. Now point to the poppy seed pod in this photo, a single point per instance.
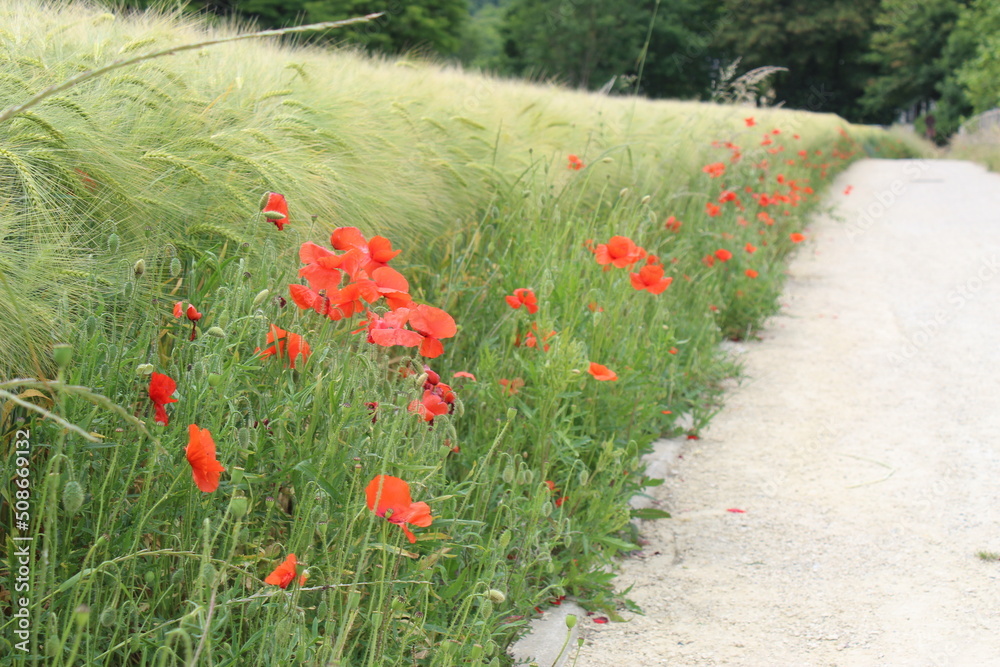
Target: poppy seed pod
pixel 238 507
pixel 62 353
pixel 72 497
pixel 570 621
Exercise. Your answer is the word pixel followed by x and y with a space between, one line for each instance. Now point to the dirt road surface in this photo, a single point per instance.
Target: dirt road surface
pixel 863 446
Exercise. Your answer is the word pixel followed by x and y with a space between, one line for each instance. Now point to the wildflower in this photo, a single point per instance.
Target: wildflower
pixel 559 502
pixel 161 389
pixel 389 497
pixel 511 387
pixel 765 218
pixel 619 251
pixel 715 169
pixel 432 324
pixel 750 248
pixel 275 209
pixel 361 254
pixel 575 163
pixel 750 121
pixel 201 455
pixel 751 273
pixel 650 277
pixel 285 344
pixel 284 574
pixel 848 189
pixel 464 374
pixel 594 307
pixel 672 350
pixel 723 255
pixel 602 373
pixel 523 296
pixel 708 261
pixel 797 238
pixel 728 196
pixel 712 209
pixel 429 406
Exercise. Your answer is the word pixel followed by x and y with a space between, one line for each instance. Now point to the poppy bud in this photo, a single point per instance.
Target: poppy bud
pixel 218 332
pixel 607 160
pixel 486 608
pixel 144 369
pixel 62 354
pixel 645 200
pixel 239 506
pixel 546 508
pixel 263 200
pixel 584 477
pixel 107 617
pixel 139 268
pixel 504 540
pixel 175 267
pixel 259 299
pixel 623 193
pixel 570 621
pixel 113 242
pixel 422 379
pixel 496 596
pixel 511 413
pixel 274 215
pixel 525 476
pixel 508 474
pixel 72 497
pixel 82 615
pixel 214 379
pixel 243 437
pixel 193 314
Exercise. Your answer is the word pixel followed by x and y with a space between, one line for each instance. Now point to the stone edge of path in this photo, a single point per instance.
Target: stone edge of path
pixel 545 644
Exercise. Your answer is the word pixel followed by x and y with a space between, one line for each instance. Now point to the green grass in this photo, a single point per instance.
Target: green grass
pixel 165 163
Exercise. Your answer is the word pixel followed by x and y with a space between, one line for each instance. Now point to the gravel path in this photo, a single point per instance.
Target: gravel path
pixel 863 445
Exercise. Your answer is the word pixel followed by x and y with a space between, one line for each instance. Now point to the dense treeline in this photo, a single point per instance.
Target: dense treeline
pixel 936 61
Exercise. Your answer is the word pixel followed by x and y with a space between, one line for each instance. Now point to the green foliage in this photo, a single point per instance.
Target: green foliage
pixel 907 49
pixel 821 44
pixel 165 163
pixel 433 25
pixel 587 43
pixel 980 74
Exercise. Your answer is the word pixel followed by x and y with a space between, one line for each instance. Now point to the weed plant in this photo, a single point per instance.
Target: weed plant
pixel 140 190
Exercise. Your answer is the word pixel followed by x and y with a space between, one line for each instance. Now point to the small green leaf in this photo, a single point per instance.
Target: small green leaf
pixel 649 513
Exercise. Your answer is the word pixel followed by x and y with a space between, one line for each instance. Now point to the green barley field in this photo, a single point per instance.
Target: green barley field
pixel 385 396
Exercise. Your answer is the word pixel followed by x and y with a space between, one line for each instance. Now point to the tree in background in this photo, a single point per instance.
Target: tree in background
pixel 822 44
pixel 979 75
pixel 588 43
pixel 432 25
pixel 907 49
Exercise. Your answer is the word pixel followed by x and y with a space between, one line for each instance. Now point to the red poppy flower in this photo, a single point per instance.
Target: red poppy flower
pixel 765 218
pixel 433 324
pixel 848 189
pixel 161 389
pixel 750 121
pixel 672 350
pixel 594 308
pixel 602 373
pixel 751 273
pixel 708 261
pixel 723 255
pixel 284 344
pixel 201 455
pixel 619 251
pixel 712 209
pixel 750 248
pixel 715 169
pixel 362 254
pixel 464 374
pixel 178 309
pixel 673 224
pixel 276 210
pixel 511 387
pixel 728 196
pixel 523 296
pixel 797 238
pixel 429 407
pixel 284 574
pixel 575 162
pixel 650 277
pixel 559 503
pixel 389 497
